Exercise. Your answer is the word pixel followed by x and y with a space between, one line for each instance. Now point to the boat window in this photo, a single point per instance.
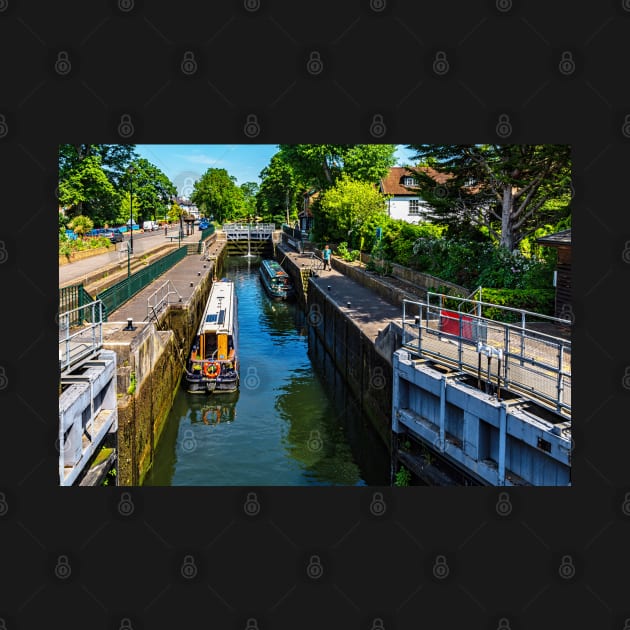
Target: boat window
pixel 213 318
pixel 211 345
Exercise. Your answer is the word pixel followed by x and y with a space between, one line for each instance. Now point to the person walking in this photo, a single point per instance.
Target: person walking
pixel 326 254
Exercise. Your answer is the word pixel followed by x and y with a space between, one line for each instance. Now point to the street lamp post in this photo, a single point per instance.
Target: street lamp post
pixel 130 171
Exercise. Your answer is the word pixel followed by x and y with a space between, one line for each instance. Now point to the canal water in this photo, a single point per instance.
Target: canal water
pixel 292 423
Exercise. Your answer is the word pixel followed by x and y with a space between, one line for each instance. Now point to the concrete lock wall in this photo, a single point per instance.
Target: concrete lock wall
pixel 141 414
pixel 157 359
pixel 366 373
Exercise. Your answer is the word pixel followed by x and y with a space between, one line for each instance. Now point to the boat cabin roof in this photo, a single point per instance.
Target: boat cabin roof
pixel 220 309
pixel 274 268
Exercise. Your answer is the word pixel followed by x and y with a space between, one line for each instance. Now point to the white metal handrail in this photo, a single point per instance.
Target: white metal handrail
pixel 161 298
pixel 533 364
pixel 86 339
pixel 524 313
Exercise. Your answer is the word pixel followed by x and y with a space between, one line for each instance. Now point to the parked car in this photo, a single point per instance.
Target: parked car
pixel 150 226
pixel 115 235
pixel 203 225
pixel 97 232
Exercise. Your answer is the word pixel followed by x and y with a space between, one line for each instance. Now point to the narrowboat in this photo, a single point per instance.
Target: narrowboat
pixel 276 280
pixel 213 365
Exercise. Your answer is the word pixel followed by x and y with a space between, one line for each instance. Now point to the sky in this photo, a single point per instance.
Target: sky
pixel 183 164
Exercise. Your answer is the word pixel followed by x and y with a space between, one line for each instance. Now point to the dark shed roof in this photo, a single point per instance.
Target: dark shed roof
pixel 559 238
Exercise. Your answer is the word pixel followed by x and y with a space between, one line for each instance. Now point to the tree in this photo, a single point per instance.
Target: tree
pixel 85 190
pixel 280 189
pixel 152 189
pixel 350 211
pixel 175 212
pixel 321 165
pixel 216 193
pixel 249 191
pixel 508 190
pixel 123 211
pixel 81 225
pixel 114 158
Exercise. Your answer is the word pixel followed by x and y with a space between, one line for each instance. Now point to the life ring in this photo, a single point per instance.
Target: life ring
pixel 212 369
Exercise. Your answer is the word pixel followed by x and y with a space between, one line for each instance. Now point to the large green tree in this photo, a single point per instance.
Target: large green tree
pixel 152 189
pixel 508 190
pixel 249 191
pixel 350 211
pixel 279 189
pixel 321 165
pixel 90 177
pixel 114 158
pixel 217 194
pixel 85 190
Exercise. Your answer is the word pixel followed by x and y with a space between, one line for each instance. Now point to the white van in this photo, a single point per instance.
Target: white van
pixel 150 226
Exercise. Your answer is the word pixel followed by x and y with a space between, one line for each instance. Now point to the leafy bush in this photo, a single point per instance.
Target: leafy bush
pixel 403 477
pixel 68 247
pixel 536 300
pixel 347 255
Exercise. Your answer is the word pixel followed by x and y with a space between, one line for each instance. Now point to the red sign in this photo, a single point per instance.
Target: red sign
pixel 450 323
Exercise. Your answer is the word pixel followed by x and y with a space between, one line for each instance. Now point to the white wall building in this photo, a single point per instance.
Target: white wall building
pixel 404 202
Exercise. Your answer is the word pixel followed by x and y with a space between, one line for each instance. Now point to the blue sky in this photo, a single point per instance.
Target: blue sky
pixel 183 164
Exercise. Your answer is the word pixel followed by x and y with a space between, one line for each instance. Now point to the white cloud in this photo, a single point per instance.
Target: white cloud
pixel 200 159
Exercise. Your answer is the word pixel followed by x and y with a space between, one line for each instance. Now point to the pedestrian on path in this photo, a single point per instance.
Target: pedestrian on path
pixel 326 253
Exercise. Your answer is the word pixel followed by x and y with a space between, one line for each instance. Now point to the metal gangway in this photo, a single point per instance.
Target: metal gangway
pixel 514 355
pixel 248 231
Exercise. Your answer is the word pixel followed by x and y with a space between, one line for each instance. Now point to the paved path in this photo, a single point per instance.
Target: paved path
pixel 191 270
pixel 142 244
pixel 368 310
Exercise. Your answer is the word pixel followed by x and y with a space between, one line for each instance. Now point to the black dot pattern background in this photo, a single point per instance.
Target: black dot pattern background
pixel 270 71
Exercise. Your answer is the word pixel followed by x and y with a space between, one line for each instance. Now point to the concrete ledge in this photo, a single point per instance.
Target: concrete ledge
pixel 81 255
pixel 103 278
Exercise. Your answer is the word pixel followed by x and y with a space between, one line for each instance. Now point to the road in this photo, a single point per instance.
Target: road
pixel 141 243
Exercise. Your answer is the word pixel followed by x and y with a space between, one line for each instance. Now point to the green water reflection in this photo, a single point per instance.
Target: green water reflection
pixel 291 423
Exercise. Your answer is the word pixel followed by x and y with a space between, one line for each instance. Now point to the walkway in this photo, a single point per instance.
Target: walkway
pixel 369 311
pixel 372 313
pixel 79 271
pixel 190 271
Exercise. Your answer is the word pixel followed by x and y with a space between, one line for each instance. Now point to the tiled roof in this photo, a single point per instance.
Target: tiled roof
pixel 391 184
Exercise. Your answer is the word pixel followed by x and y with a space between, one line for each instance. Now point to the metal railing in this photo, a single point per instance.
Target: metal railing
pixel 255 231
pixel 533 364
pixel 80 333
pixel 160 298
pixel 207 232
pixel 507 312
pixel 477 302
pixel 295 233
pixel 310 260
pixel 73 297
pixel 122 291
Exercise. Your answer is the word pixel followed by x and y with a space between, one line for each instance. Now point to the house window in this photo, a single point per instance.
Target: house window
pixel 409 181
pixel 414 206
